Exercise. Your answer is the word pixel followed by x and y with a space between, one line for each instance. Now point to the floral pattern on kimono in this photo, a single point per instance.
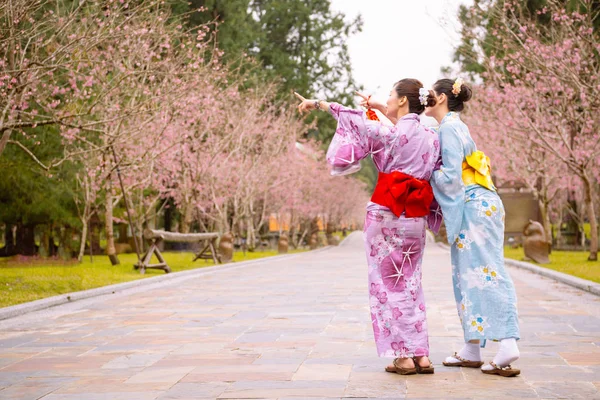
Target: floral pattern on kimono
pixel 474 216
pixel 394 245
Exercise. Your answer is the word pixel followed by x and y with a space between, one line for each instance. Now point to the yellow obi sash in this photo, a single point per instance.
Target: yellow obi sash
pixel 476 169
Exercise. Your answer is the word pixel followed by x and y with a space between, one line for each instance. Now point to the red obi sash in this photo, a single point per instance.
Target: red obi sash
pixel 403 193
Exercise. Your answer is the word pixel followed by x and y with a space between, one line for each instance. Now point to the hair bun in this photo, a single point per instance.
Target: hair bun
pixel 456 102
pixel 465 93
pixel 431 101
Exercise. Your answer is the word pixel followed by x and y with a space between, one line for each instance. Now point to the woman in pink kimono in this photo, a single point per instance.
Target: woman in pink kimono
pixel 405 155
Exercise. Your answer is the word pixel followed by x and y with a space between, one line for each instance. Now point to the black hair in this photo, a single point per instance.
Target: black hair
pixel 409 88
pixel 456 102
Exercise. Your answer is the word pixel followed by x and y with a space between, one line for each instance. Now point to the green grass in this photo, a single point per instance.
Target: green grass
pixel 33 279
pixel 587 229
pixel 569 262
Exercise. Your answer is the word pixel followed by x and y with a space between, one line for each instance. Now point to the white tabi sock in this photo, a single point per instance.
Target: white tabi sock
pixel 507 354
pixel 469 352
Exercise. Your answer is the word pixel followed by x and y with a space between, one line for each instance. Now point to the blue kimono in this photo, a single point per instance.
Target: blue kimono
pixel 474 217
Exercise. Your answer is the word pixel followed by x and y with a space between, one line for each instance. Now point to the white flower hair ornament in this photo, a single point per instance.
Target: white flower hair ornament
pixel 423 94
pixel 457 86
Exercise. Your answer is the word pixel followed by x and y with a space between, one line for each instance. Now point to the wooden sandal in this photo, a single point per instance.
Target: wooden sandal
pixel 423 370
pixel 507 371
pixel 463 363
pixel 400 370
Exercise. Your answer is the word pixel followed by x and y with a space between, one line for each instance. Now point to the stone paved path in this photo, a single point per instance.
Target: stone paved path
pixel 292 328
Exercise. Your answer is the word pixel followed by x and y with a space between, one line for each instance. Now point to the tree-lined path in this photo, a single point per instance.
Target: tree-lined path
pixel 292 327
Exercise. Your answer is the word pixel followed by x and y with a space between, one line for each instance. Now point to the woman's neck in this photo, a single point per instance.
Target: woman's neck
pixel 401 113
pixel 439 116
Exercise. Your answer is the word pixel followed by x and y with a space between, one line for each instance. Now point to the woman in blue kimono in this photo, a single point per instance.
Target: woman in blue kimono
pixel 474 217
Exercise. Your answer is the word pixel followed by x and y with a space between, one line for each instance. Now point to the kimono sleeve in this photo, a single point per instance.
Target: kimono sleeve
pixel 447 181
pixel 355 138
pixel 435 217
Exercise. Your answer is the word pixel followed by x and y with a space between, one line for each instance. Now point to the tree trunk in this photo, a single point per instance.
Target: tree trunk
pixel 169 207
pixel 250 235
pixel 301 239
pixel 222 222
pixel 51 243
pixel 292 235
pixel 85 220
pixel 9 242
pixel 25 243
pixel 139 238
pixel 111 251
pixel 65 251
pixel 589 203
pixel 44 249
pixel 186 218
pixel 4 139
pixel 559 222
pixel 545 218
pixel 123 237
pixel 83 239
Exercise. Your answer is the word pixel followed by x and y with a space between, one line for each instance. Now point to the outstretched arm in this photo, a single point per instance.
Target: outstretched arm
pixel 369 103
pixel 307 105
pixel 355 137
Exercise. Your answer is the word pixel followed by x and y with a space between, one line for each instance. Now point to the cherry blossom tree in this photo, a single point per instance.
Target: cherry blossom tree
pixel 144 103
pixel 519 160
pixel 547 85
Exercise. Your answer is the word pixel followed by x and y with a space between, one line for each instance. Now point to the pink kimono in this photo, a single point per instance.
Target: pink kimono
pixel 394 245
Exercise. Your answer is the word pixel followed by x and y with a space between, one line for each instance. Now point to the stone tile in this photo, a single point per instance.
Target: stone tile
pixel 11 378
pixel 7 360
pixel 34 387
pixel 305 398
pixel 198 360
pixel 188 391
pixel 277 361
pixel 198 348
pixel 376 385
pixel 322 372
pixel 494 388
pixel 581 358
pixel 296 328
pixel 133 348
pixel 566 390
pixel 241 369
pixel 146 395
pixel 273 389
pixel 25 392
pixel 531 359
pixel 552 373
pixel 156 374
pixel 233 377
pixel 72 364
pixel 109 384
pixel 57 352
pixel 17 341
pixel 258 337
pixel 133 360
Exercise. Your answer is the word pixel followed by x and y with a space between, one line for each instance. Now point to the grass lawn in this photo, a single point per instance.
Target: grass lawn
pixel 23 280
pixel 569 262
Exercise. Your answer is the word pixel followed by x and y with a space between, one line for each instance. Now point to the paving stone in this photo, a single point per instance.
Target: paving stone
pixel 297 328
pixel 188 391
pixel 160 374
pixel 323 372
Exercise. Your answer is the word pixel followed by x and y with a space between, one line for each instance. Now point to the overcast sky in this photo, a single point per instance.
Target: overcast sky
pixel 401 39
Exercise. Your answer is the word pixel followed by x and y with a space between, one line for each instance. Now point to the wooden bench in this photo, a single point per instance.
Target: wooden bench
pixel 154 237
